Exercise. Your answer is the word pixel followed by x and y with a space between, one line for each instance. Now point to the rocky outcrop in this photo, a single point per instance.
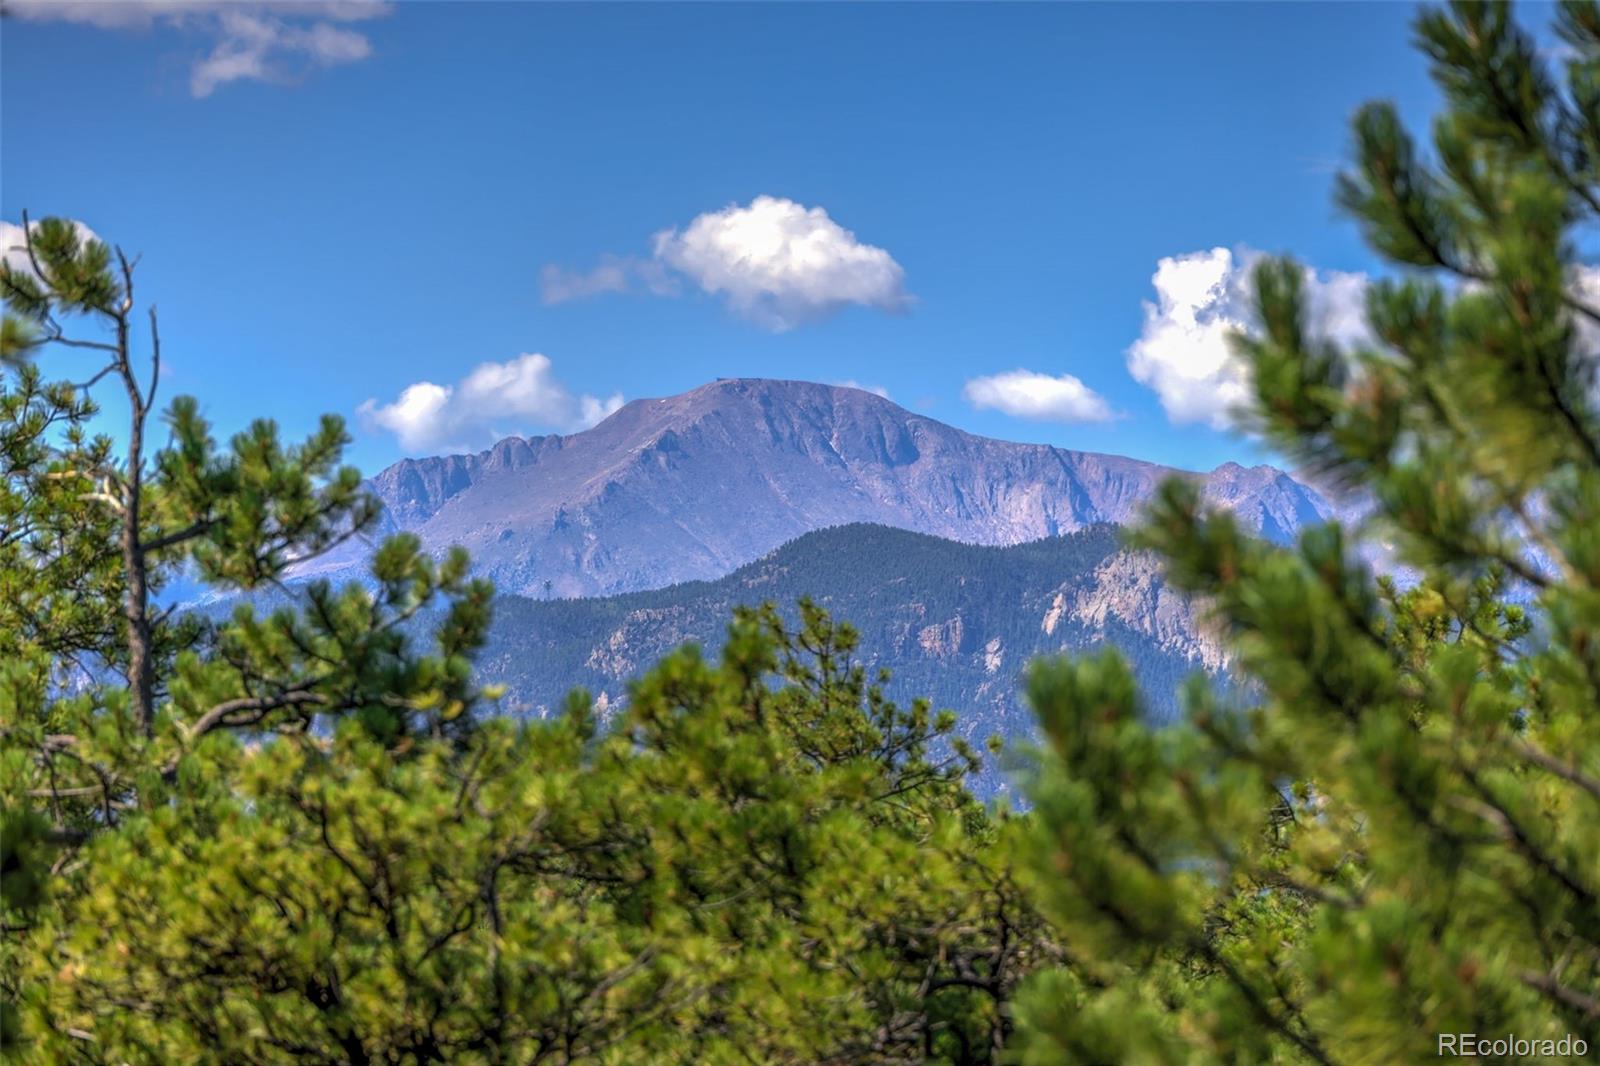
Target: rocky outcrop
pixel 993 655
pixel 1129 588
pixel 942 641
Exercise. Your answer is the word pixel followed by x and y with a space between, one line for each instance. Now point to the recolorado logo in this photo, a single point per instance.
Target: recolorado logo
pixel 1473 1045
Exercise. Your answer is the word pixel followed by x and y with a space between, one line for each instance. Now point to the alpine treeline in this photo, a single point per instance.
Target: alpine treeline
pixel 305 835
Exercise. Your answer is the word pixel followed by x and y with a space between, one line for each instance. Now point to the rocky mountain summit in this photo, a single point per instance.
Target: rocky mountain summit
pixel 690 487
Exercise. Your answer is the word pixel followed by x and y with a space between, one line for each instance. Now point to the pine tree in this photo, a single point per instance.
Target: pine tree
pixel 1400 837
pixel 304 837
pixel 106 699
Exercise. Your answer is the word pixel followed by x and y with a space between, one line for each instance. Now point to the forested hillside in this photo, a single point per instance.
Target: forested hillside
pixel 956 623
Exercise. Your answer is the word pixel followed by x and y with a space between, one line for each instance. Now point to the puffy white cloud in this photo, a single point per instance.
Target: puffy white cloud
pixel 1183 352
pixel 592 409
pixel 774 261
pixel 1027 394
pixel 780 263
pixel 418 418
pixel 494 400
pixel 258 41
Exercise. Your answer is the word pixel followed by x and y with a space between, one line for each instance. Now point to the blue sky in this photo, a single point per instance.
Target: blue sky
pixel 337 203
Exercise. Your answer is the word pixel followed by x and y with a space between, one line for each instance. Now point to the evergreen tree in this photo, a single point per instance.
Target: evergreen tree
pixel 297 837
pixel 106 699
pixel 1401 837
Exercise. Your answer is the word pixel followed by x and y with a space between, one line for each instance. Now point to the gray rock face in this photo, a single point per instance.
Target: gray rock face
pixel 692 486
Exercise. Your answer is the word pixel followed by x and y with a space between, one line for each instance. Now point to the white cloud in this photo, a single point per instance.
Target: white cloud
pixel 495 400
pixel 775 262
pixel 1183 352
pixel 613 274
pixel 142 14
pixel 780 263
pixel 593 410
pixel 257 41
pixel 558 285
pixel 1027 394
pixel 263 48
pixel 418 418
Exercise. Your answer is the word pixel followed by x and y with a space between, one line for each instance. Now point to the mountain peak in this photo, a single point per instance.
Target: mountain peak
pixel 780 391
pixel 691 486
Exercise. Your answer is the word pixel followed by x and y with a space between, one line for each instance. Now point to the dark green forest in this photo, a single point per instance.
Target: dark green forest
pixel 308 833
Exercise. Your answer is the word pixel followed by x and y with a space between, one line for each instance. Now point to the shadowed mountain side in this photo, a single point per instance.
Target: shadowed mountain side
pixel 955 622
pixel 692 486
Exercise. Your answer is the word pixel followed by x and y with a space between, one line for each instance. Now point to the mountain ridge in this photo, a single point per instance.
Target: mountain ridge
pixel 692 486
pixel 956 623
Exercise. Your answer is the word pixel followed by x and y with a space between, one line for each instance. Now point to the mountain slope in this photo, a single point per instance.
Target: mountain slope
pixel 954 622
pixel 692 486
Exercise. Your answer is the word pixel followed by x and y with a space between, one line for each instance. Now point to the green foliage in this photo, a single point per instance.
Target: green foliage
pixel 291 836
pixel 1401 838
pixel 51 525
pixel 703 885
